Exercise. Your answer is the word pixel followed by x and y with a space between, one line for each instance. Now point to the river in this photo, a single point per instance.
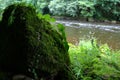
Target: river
pixel 103 32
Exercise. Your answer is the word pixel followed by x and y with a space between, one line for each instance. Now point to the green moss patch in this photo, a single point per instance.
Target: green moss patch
pixel 29 45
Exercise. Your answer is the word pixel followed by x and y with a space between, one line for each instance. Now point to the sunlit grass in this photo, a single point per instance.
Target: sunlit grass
pixel 91 61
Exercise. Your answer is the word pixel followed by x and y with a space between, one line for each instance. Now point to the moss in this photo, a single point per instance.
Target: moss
pixel 30 46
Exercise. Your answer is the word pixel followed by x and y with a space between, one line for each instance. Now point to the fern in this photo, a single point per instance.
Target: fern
pixel 90 61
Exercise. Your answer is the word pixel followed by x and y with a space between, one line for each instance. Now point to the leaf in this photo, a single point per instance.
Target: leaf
pixel 47 17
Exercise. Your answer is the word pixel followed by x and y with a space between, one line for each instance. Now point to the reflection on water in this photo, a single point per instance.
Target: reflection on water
pixel 104 33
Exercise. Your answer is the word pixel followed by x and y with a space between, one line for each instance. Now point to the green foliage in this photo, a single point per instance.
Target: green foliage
pixel 80 8
pixel 87 8
pixel 93 62
pixel 72 8
pixel 46 17
pixel 97 9
pixel 108 9
pixel 57 7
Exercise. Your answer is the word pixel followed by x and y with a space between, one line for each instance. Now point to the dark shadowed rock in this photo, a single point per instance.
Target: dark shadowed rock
pixel 30 46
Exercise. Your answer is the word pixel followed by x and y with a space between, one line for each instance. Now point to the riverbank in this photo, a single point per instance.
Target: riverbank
pixel 91 20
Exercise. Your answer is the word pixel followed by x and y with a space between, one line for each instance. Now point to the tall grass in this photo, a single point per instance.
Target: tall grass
pixel 90 61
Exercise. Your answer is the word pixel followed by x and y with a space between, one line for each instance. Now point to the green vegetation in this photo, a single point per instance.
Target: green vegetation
pixel 43 45
pixel 108 9
pixel 30 45
pixel 72 8
pixel 96 9
pixel 91 61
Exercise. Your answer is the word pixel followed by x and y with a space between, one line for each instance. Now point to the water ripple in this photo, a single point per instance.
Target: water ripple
pixel 106 27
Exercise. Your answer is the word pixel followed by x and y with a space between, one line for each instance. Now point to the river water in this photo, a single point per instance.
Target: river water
pixel 103 32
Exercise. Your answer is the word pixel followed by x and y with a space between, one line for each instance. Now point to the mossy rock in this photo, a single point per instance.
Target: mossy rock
pixel 30 46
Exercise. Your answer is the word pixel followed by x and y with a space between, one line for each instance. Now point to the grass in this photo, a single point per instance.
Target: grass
pixel 90 61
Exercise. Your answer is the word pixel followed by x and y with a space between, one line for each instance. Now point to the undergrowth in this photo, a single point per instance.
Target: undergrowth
pixel 90 61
